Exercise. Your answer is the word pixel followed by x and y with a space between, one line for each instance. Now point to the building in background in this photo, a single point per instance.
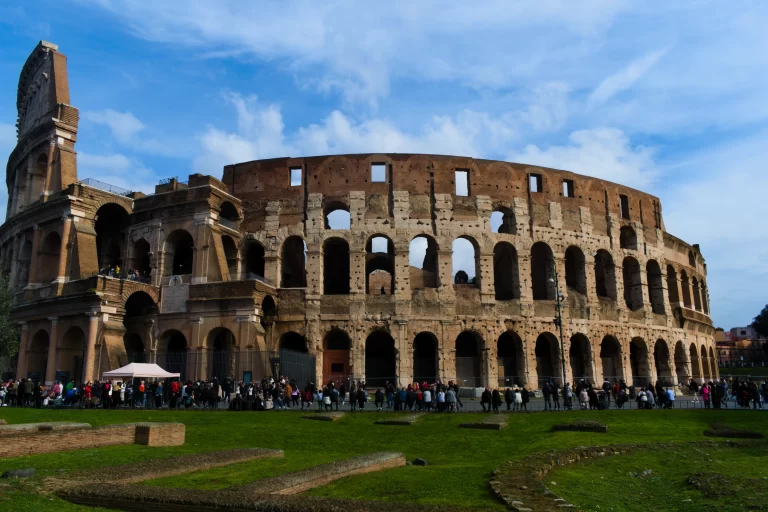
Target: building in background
pixel 741 347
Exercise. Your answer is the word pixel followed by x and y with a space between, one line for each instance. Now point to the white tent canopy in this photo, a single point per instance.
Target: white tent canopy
pixel 145 370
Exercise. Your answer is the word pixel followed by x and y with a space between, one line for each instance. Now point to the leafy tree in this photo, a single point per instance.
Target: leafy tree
pixel 760 323
pixel 9 332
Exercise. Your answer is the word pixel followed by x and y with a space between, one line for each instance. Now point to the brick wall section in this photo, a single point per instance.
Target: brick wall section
pixel 160 434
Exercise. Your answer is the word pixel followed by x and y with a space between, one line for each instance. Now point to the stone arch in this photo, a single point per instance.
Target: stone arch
pixel 221 344
pixel 254 260
pixel 134 347
pixel 681 364
pixel 179 253
pixel 48 258
pixel 548 364
pixel 638 362
pixel 336 275
pixel 713 363
pixel 422 255
pixel 37 355
pixel 174 352
pixel 141 259
pixel 685 285
pixel 294 259
pixel 705 369
pixel 510 359
pixel 380 359
pixel 380 255
pixel 469 361
pixel 661 361
pixel 228 212
pixel 336 215
pixel 580 356
pixel 466 270
pixel 425 357
pixel 633 285
pixel 294 342
pixel 655 286
pixel 139 304
pixel 111 225
pixel 704 298
pixel 71 353
pixel 336 356
pixel 695 367
pixel 674 297
pixel 506 273
pixel 696 293
pixel 268 307
pixel 503 221
pixel 610 355
pixel 230 253
pixel 628 238
pixel 605 275
pixel 575 270
pixel 691 259
pixel 542 263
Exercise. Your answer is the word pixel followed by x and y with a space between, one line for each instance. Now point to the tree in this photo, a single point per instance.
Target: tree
pixel 760 323
pixel 9 332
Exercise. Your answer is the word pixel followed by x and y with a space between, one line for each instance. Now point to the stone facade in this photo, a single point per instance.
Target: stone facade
pixel 237 274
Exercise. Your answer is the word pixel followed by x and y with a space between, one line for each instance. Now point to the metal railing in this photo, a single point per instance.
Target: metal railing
pixel 106 187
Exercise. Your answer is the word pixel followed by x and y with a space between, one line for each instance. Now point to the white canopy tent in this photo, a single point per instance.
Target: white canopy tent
pixel 143 370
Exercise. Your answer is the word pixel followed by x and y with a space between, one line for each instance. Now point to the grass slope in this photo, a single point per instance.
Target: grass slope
pixel 460 460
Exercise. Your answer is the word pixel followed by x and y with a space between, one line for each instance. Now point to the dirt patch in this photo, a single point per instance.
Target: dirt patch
pixel 325 416
pixel 409 419
pixel 26 428
pixel 723 430
pixel 493 422
pixel 580 426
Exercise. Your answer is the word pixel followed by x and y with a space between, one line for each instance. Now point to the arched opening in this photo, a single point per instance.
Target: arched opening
pixel 336 267
pixel 712 363
pixel 337 216
pixel 294 274
pixel 542 263
pixel 503 221
pixel 425 357
pixel 633 286
pixel 686 286
pixel 469 362
pixel 37 182
pixel 655 287
pixel 704 298
pixel 422 259
pixel 229 213
pixel 254 261
pixel 336 362
pixel 605 275
pixel 111 225
pixel 134 348
pixel 696 294
pixel 638 360
pixel 222 357
pixel 510 359
pixel 681 364
pixel 547 359
pixel 580 356
pixel 175 344
pixel 380 359
pixel 295 362
pixel 628 238
pixel 610 355
pixel 268 307
pixel 71 353
pixel 140 260
pixel 37 356
pixel 230 253
pixel 695 368
pixel 48 258
pixel 138 306
pixel 506 274
pixel 691 259
pixel 465 261
pixel 674 298
pixel 575 270
pixel 179 249
pixel 705 368
pixel 25 258
pixel 661 360
pixel 379 256
pixel 294 342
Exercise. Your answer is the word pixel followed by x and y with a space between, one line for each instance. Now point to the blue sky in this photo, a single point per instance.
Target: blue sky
pixel 669 99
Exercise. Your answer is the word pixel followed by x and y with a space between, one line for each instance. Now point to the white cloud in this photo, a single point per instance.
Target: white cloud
pixel 123 125
pixel 116 169
pixel 625 78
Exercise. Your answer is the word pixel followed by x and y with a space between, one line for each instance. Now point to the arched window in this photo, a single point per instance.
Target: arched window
pixel 628 238
pixel 695 367
pixel 466 261
pixel 379 260
pixel 422 259
pixel 510 359
pixel 294 274
pixel 610 355
pixel 469 362
pixel 506 274
pixel 140 260
pixel 71 353
pixel 336 361
pixel 685 285
pixel 380 359
pixel 542 264
pixel 638 360
pixel 229 212
pixel 37 356
pixel 48 258
pixel 633 286
pixel 221 345
pixel 337 216
pixel 174 343
pixel 179 249
pixel 661 361
pixel 580 356
pixel 704 298
pixel 111 225
pixel 655 286
pixel 503 221
pixel 425 357
pixel 605 275
pixel 254 260
pixel 696 294
pixel 691 259
pixel 336 276
pixel 674 298
pixel 268 307
pixel 547 359
pixel 230 253
pixel 575 271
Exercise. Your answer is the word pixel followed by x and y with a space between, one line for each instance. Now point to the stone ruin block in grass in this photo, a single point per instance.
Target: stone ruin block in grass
pixel 723 430
pixel 3 422
pixel 160 434
pixel 404 421
pixel 580 426
pixel 492 422
pixel 28 428
pixel 325 416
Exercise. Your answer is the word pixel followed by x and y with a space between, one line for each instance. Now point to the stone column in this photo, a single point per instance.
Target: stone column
pixel 49 167
pixel 357 271
pixel 64 253
pixel 272 267
pixel 524 267
pixel 486 276
pixel 21 367
pixel 404 370
pixel 200 263
pixel 314 265
pixel 90 348
pixel 402 270
pixel 197 365
pixel 53 342
pixel 445 269
pixel 37 234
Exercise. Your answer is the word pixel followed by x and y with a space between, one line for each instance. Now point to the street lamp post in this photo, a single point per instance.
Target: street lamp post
pixel 559 320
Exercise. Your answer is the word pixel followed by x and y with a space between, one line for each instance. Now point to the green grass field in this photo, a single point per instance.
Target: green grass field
pixel 460 461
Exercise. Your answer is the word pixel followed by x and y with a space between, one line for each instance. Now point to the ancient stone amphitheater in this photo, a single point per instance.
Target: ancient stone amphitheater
pixel 371 266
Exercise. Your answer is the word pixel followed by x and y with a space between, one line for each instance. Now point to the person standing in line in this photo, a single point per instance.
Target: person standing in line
pixel 159 395
pixel 352 396
pixel 518 399
pixel 379 399
pixel 496 400
pixel 427 399
pixel 547 392
pixel 485 400
pixel 568 397
pixel 509 397
pixel 555 396
pixel 362 397
pixel 525 396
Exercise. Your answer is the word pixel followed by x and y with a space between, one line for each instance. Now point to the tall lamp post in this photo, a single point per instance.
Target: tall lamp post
pixel 559 320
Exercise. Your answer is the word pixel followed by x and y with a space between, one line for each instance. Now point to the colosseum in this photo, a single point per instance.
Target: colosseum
pixel 342 266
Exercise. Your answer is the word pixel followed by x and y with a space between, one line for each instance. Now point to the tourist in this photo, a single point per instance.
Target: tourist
pixel 390 395
pixel 607 390
pixel 518 396
pixel 410 398
pixel 440 400
pixel 547 392
pixel 450 399
pixel 287 394
pixel 379 399
pixel 159 395
pixel 651 403
pixel 670 398
pixel 568 397
pixel 705 395
pixel 555 396
pixel 526 397
pixel 496 400
pixel 362 397
pixel 509 398
pixel 583 399
pixel 485 400
pixel 427 399
pixel 327 399
pixel 352 396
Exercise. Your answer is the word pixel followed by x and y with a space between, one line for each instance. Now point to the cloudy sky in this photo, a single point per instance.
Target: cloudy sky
pixel 670 99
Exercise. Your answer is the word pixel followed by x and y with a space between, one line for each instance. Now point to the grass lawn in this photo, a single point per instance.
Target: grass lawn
pixel 755 373
pixel 460 460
